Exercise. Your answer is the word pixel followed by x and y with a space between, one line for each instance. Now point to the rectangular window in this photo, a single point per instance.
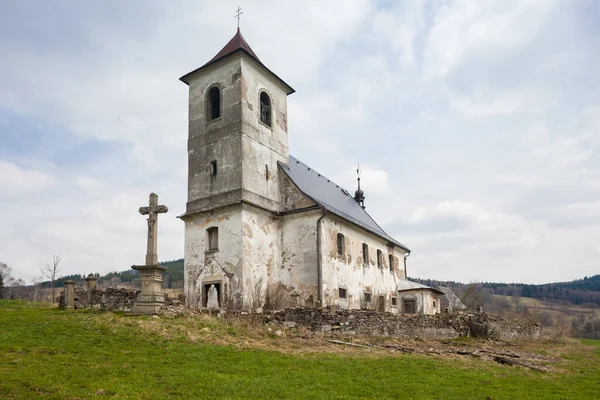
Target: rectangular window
pixel 340 245
pixel 365 251
pixel 367 297
pixel 213 167
pixel 391 257
pixel 342 293
pixel 379 259
pixel 394 301
pixel 213 238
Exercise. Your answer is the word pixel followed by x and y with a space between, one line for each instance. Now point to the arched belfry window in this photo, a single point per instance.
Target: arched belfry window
pixel 213 103
pixel 265 108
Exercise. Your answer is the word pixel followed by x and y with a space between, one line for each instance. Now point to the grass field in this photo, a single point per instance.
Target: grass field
pixel 48 353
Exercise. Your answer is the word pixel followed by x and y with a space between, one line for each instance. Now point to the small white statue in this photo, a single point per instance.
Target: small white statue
pixel 213 298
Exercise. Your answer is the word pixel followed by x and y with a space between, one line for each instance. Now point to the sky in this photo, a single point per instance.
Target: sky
pixel 476 125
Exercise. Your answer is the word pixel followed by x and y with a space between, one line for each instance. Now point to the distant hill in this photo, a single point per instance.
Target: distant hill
pixel 171 276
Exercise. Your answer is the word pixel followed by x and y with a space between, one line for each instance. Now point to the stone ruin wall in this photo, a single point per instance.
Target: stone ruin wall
pixel 332 321
pixel 370 323
pixel 110 299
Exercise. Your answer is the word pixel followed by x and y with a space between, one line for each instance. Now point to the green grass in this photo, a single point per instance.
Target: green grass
pixel 47 353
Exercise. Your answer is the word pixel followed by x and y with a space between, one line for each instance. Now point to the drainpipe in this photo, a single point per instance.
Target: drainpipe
pixel 319 262
pixel 406 255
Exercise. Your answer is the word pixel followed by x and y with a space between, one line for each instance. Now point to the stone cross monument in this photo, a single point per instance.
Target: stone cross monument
pixel 151 298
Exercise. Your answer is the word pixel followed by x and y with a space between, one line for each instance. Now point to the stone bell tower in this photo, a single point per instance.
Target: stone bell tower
pixel 237 130
pixel 237 135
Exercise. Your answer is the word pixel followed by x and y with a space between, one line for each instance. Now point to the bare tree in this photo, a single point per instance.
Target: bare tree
pixel 6 280
pixel 50 272
pixel 473 295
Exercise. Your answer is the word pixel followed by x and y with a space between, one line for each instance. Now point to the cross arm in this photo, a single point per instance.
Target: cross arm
pixel 161 209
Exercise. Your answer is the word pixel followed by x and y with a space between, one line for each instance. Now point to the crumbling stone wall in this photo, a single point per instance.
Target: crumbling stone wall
pixel 371 323
pixel 111 299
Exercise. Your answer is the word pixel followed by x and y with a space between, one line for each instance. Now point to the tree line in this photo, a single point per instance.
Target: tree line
pixel 580 292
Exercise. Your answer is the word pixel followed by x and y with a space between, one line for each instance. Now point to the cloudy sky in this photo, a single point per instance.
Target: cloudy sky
pixel 476 123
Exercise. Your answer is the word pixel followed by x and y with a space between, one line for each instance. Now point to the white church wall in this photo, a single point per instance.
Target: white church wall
pixel 426 301
pixel 350 273
pixel 224 265
pixel 298 270
pixel 261 254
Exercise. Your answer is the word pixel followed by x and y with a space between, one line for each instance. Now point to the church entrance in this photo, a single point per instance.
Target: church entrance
pixel 206 290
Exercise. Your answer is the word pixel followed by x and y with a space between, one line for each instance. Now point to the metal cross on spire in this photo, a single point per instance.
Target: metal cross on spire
pixel 237 15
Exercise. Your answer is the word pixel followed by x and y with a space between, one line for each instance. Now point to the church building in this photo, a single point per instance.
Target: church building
pixel 261 227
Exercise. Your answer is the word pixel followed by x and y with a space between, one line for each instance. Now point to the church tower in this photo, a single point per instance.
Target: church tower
pixel 237 135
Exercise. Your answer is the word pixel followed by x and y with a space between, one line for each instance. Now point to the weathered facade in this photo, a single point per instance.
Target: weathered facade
pixel 264 228
pixel 415 298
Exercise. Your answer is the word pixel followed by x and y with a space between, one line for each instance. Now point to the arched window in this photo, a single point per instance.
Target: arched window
pixel 265 108
pixel 379 258
pixel 213 103
pixel 213 238
pixel 365 254
pixel 341 246
pixel 391 262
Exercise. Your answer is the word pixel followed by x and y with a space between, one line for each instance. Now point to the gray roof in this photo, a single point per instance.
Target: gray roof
pixel 451 298
pixel 333 197
pixel 405 284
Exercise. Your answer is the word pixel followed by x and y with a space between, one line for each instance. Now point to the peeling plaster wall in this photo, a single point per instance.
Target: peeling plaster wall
pixel 218 139
pixel 424 300
pixel 263 146
pixel 261 253
pixel 298 269
pixel 349 271
pixel 224 265
pixel 292 198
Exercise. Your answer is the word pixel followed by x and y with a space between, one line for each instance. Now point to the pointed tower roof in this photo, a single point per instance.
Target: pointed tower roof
pixel 235 45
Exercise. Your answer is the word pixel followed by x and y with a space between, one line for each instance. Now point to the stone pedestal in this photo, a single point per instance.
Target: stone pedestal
pixel 151 298
pixel 90 286
pixel 70 295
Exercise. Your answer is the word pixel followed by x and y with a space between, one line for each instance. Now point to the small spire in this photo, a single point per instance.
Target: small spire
pixel 359 195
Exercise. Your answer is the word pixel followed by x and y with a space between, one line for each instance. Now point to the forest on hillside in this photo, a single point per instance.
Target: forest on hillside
pixel 172 277
pixel 584 291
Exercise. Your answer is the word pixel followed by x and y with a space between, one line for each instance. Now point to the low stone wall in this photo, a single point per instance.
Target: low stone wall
pixel 110 299
pixel 371 323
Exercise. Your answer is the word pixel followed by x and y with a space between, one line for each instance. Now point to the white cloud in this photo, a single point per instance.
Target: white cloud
pixel 484 103
pixel 463 27
pixel 15 181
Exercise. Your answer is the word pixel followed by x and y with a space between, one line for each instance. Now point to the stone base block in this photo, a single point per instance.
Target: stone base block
pixel 146 308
